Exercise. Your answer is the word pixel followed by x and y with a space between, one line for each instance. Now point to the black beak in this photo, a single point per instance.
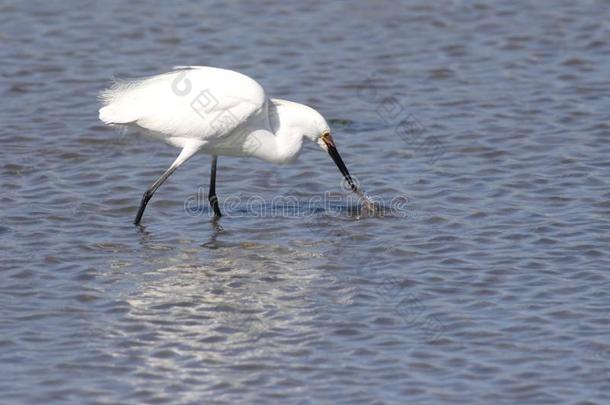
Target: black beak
pixel 332 151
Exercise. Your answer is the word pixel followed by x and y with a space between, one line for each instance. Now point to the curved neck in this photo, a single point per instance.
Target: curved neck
pixel 281 147
pixel 284 142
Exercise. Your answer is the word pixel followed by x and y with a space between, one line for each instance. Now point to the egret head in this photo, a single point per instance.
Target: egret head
pixel 319 132
pixel 308 124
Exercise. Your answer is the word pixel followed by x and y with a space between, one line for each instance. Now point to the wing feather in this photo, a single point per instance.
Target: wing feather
pixel 189 102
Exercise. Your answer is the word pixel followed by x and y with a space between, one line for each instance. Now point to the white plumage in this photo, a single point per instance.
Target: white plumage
pixel 214 111
pixel 182 105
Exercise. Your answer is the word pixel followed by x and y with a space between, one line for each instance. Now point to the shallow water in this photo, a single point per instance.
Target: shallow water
pixel 481 129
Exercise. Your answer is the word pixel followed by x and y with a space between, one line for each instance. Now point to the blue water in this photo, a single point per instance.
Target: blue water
pixel 481 128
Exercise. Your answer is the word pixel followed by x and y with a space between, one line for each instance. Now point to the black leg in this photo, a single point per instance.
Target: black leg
pixel 186 153
pixel 212 194
pixel 149 193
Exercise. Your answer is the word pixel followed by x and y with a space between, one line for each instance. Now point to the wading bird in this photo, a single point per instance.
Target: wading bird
pixel 217 112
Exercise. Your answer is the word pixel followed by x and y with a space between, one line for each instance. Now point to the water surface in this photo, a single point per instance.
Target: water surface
pixel 483 125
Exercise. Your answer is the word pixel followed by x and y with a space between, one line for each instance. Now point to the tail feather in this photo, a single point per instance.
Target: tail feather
pixel 118 106
pixel 109 116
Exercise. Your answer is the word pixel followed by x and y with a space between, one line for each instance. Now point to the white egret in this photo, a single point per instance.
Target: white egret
pixel 217 112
